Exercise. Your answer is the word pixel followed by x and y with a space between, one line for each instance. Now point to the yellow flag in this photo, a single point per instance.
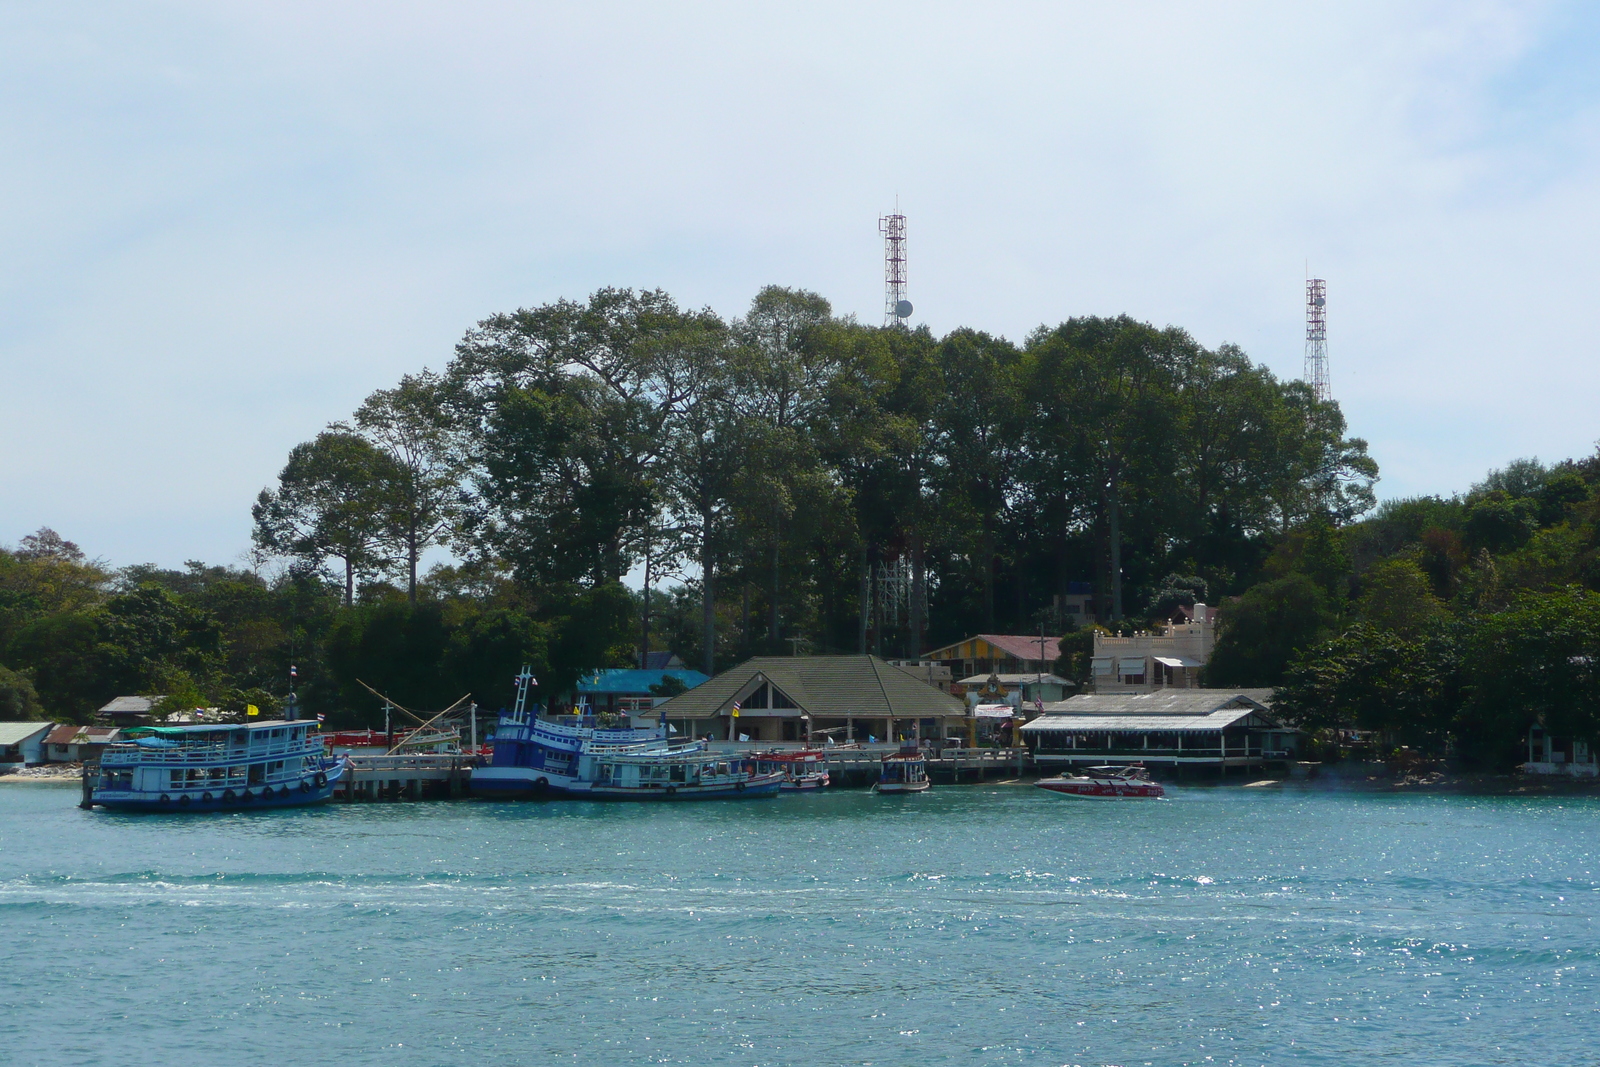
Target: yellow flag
pixel 251 709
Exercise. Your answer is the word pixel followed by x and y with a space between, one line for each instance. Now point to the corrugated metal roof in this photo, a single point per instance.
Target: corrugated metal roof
pixel 1020 646
pixel 1212 723
pixel 1025 678
pixel 14 733
pixel 81 735
pixel 832 686
pixel 138 705
pixel 1159 702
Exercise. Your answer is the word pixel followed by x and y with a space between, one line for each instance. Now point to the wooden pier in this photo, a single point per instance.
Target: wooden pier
pixel 430 776
pixel 859 766
pixel 417 776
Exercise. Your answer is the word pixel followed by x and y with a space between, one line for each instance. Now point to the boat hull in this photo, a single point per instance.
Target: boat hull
pixel 258 798
pixel 518 783
pixel 903 787
pixel 761 786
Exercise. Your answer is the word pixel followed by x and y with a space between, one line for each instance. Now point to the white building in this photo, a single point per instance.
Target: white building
pixel 1168 658
pixel 23 742
pixel 1549 754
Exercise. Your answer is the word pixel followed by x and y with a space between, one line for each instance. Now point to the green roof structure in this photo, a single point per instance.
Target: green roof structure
pixel 815 687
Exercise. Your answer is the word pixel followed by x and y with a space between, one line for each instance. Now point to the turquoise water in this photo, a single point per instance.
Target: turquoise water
pixel 969 925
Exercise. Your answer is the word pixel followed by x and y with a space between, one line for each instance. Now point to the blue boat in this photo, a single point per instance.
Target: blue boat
pixel 576 756
pixel 273 764
pixel 533 756
pixel 680 774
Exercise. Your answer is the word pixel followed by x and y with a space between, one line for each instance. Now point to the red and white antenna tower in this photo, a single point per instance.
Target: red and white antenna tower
pixel 896 308
pixel 1316 373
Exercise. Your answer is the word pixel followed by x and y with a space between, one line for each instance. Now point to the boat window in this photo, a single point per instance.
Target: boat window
pixel 678 772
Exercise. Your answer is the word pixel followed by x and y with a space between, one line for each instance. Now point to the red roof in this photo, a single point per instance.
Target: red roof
pixel 1021 646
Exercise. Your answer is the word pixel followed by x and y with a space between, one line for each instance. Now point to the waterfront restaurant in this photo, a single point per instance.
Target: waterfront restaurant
pixel 1177 728
pixel 812 698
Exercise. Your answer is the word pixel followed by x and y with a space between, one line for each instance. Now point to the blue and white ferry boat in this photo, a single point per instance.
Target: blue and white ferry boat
pixel 534 756
pixel 272 764
pixel 689 773
pixel 579 758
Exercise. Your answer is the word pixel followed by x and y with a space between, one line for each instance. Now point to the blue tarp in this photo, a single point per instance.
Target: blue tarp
pixel 155 742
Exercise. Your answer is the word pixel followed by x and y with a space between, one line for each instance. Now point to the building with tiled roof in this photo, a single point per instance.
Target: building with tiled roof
pixel 800 698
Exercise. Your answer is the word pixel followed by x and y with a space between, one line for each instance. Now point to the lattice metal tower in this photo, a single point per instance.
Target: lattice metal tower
pixel 1316 373
pixel 896 308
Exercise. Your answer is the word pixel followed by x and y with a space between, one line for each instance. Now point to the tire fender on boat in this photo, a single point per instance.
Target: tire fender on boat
pixel 738 787
pixel 247 795
pixel 229 796
pixel 183 801
pixel 305 786
pixel 541 784
pixel 163 799
pixel 321 779
pixel 205 798
pixel 672 790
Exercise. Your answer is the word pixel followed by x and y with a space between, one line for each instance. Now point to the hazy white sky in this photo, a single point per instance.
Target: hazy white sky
pixel 227 223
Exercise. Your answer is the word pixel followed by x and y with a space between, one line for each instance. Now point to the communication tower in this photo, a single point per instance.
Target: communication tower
pixel 1316 373
pixel 896 308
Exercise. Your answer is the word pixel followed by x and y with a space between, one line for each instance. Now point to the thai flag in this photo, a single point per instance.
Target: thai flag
pixel 321 718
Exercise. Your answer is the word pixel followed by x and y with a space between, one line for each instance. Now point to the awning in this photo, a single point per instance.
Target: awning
pixel 1101 664
pixel 1131 665
pixel 1176 661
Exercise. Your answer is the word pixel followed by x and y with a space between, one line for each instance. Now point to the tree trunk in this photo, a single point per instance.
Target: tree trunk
pixel 1114 535
pixel 708 590
pixel 644 636
pixel 866 600
pixel 773 634
pixel 919 597
pixel 988 581
pixel 411 565
pixel 744 618
pixel 349 582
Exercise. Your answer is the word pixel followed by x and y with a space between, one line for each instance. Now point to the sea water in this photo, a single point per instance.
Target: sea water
pixel 972 924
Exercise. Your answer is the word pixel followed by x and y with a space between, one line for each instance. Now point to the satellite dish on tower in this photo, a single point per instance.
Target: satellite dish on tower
pixel 902 310
pixel 1320 301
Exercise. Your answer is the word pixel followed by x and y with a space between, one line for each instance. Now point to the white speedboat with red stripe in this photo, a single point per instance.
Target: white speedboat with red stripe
pixel 1106 783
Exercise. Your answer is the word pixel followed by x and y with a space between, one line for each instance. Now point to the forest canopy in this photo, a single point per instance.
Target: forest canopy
pixel 779 482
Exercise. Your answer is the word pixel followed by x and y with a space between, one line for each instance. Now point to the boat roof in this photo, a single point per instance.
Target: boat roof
pixel 212 728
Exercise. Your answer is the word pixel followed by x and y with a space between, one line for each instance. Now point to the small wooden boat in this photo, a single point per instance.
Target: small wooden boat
pixel 802 771
pixel 905 771
pixel 1105 783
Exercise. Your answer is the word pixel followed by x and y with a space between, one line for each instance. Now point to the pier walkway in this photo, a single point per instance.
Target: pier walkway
pixel 409 777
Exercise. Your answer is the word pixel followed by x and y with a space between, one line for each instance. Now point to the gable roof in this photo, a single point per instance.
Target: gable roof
pixel 1162 709
pixel 821 686
pixel 134 705
pixel 81 735
pixel 1020 646
pixel 14 733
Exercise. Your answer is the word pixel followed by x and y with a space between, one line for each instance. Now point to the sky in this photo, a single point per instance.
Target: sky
pixel 225 224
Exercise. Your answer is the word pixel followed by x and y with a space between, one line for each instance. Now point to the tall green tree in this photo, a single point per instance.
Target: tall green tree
pixel 411 426
pixel 333 499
